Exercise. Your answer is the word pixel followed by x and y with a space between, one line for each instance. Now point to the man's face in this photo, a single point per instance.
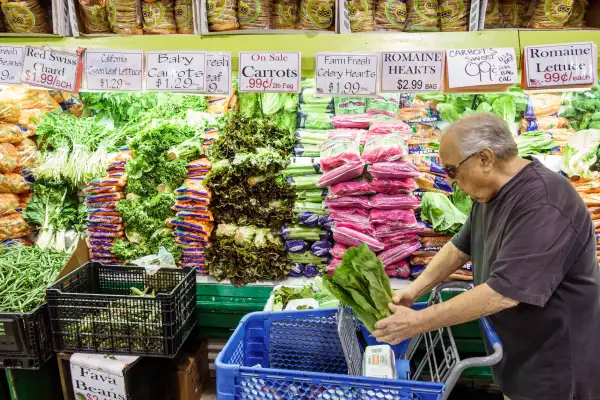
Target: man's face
pixel 471 173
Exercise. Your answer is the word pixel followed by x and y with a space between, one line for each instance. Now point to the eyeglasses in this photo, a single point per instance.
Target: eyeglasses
pixel 451 170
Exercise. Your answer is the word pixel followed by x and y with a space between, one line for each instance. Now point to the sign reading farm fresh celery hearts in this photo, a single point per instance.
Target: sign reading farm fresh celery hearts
pixel 269 72
pixel 481 67
pixel 346 74
pixel 573 64
pixel 114 70
pixel 51 69
pixel 176 71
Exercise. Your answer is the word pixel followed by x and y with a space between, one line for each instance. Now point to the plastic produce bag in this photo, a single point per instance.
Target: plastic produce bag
pixel 29 119
pixel 9 203
pixel 397 253
pixel 383 148
pixel 13 226
pixel 422 16
pixel 339 151
pixel 13 183
pixel 542 123
pixel 317 15
pixel 341 174
pixel 159 17
pixel 578 15
pixel 348 201
pixel 361 15
pixel 393 170
pixel 384 104
pixel 10 112
pixel 550 14
pixel 95 16
pixel 254 14
pixel 11 133
pixel 352 188
pixel 9 158
pixel 387 127
pixel 395 201
pixel 29 98
pixel 26 16
pixel 338 250
pixel 390 15
pixel 433 183
pixel 352 121
pixel 454 15
pixel 124 17
pixel 184 16
pixel 284 14
pixel 352 238
pixel 493 17
pixel 400 270
pixel 394 216
pixel 392 186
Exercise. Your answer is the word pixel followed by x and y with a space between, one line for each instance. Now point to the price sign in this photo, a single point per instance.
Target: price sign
pixel 11 64
pixel 412 71
pixel 269 72
pixel 572 64
pixel 176 71
pixel 114 70
pixel 481 67
pixel 218 73
pixel 346 74
pixel 51 69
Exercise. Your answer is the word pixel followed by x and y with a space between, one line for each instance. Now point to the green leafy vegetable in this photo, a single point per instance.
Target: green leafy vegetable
pixel 536 142
pixel 437 209
pixel 361 283
pixel 580 153
pixel 461 200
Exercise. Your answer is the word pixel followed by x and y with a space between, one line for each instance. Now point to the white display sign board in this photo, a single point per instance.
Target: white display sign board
pixel 114 70
pixel 573 64
pixel 176 71
pixel 481 67
pixel 346 74
pixel 412 71
pixel 269 72
pixel 51 69
pixel 96 377
pixel 218 73
pixel 11 64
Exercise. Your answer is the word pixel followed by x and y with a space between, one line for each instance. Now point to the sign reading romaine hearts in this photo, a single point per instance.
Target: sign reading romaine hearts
pixel 114 70
pixel 346 74
pixel 176 71
pixel 269 72
pixel 573 64
pixel 469 68
pixel 218 73
pixel 11 64
pixel 51 69
pixel 412 71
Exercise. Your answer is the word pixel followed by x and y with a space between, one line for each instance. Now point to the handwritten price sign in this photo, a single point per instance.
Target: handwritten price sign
pixel 572 64
pixel 346 74
pixel 114 70
pixel 51 69
pixel 269 72
pixel 412 71
pixel 481 67
pixel 11 64
pixel 176 71
pixel 218 73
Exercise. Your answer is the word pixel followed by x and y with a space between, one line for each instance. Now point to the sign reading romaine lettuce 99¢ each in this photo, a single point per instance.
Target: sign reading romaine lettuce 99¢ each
pixel 346 74
pixel 176 71
pixel 269 72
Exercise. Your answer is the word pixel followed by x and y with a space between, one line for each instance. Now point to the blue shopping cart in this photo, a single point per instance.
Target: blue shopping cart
pixel 316 355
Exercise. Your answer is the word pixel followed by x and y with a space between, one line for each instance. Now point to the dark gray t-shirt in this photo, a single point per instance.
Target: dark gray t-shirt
pixel 534 242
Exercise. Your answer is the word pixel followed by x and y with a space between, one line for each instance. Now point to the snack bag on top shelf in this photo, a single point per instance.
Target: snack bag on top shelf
pixel 254 14
pixel 390 15
pixel 158 17
pixel 124 16
pixel 9 158
pixel 454 15
pixel 284 14
pixel 94 16
pixel 26 16
pixel 493 17
pixel 362 15
pixel 514 12
pixel 550 14
pixel 317 15
pixel 184 16
pixel 578 14
pixel 422 16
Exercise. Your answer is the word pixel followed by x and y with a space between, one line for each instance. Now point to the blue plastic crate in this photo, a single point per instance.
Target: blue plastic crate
pixel 298 355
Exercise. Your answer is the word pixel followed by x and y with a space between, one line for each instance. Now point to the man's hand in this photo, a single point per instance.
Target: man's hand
pixel 403 298
pixel 398 327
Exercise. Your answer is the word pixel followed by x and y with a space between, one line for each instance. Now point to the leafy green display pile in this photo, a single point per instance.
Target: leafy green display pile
pixel 245 254
pixel 536 142
pixel 55 210
pixel 461 200
pixel 25 272
pixel 583 109
pixel 438 210
pixel 361 283
pixel 283 295
pixel 279 108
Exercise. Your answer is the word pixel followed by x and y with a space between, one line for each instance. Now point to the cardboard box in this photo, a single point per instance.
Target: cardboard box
pixel 80 256
pixel 191 371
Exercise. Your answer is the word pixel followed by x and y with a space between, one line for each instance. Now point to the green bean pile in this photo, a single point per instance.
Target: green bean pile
pixel 25 272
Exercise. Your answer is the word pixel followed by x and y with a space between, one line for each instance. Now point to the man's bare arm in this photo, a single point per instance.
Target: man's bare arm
pixel 471 305
pixel 446 261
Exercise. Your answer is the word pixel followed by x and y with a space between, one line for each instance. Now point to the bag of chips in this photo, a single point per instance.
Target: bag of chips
pixel 493 17
pixel 284 14
pixel 25 16
pixel 159 17
pixel 454 15
pixel 550 14
pixel 578 15
pixel 184 17
pixel 390 15
pixel 513 12
pixel 361 15
pixel 422 16
pixel 94 16
pixel 124 16
pixel 317 15
pixel 222 16
pixel 254 14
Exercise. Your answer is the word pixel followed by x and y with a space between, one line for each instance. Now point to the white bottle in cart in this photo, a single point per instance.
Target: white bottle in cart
pixel 379 362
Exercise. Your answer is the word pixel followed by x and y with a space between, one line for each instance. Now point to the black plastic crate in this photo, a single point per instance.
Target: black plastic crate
pixel 25 341
pixel 92 310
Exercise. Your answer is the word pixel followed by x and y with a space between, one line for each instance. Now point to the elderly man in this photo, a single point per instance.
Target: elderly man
pixel 531 241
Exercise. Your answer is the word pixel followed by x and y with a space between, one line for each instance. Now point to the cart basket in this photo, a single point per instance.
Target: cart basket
pixel 299 355
pixel 92 310
pixel 25 341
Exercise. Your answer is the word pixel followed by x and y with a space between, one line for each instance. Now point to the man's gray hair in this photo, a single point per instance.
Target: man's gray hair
pixel 484 131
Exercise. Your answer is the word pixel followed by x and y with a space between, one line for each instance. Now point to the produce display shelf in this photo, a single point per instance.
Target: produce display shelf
pixel 307 44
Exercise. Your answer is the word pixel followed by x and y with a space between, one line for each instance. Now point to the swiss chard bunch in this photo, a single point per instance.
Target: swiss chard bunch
pixel 361 283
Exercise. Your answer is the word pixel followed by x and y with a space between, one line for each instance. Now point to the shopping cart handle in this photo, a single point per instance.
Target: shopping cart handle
pixel 490 332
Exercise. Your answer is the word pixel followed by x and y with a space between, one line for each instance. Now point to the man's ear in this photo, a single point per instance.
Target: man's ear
pixel 487 159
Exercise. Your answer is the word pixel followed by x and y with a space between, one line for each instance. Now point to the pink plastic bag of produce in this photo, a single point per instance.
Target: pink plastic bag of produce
pixel 352 121
pixel 393 170
pixel 352 188
pixel 339 151
pixel 400 269
pixel 348 201
pixel 400 238
pixel 358 215
pixel 397 253
pixel 330 269
pixel 338 250
pixel 386 127
pixel 382 231
pixel 395 216
pixel 352 133
pixel 354 225
pixel 344 173
pixel 383 148
pixel 392 186
pixel 352 238
pixel 394 201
